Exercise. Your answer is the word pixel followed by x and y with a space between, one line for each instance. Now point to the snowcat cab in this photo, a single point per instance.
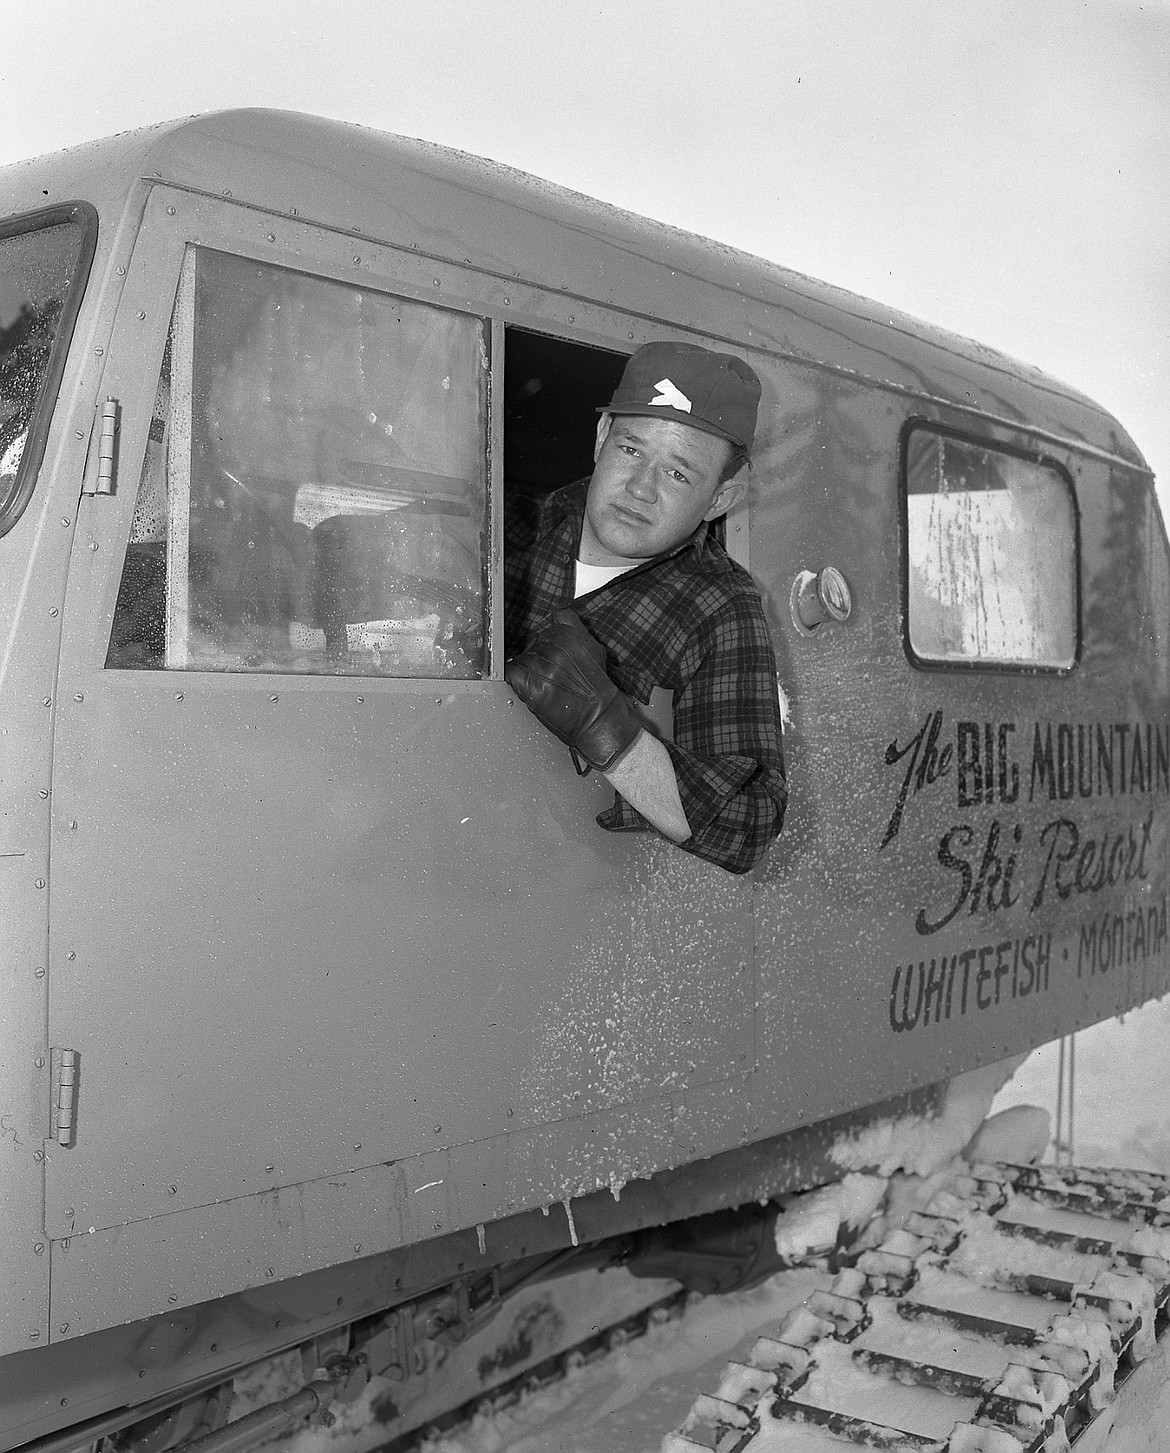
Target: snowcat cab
pixel 332 1019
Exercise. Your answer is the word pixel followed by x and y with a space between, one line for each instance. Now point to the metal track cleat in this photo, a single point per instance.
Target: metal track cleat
pixel 1000 1318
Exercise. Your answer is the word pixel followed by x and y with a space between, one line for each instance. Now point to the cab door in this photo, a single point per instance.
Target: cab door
pixel 324 896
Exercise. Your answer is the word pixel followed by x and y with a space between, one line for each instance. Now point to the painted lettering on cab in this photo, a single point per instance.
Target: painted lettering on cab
pixel 1080 863
pixel 1068 760
pixel 926 765
pixel 990 887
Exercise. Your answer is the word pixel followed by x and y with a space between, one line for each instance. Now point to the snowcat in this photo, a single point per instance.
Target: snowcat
pixel 335 1026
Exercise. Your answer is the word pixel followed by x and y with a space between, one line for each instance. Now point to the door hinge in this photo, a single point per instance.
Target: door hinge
pixel 101 462
pixel 66 1068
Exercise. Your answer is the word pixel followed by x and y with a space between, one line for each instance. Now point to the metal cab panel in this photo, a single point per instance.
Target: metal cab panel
pixel 255 1009
pixel 344 960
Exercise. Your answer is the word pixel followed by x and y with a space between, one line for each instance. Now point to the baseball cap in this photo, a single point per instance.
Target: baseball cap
pixel 715 392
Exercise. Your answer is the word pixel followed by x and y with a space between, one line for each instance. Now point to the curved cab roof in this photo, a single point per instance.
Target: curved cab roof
pixel 457 207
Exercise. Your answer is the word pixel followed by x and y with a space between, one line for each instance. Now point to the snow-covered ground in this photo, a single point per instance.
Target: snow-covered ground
pixel 624 1405
pixel 1121 1112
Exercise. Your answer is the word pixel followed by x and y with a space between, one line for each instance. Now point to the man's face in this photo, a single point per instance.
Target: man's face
pixel 654 481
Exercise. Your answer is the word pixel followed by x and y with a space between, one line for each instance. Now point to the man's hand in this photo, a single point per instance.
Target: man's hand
pixel 561 679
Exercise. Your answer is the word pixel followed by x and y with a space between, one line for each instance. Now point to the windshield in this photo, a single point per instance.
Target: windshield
pixel 39 265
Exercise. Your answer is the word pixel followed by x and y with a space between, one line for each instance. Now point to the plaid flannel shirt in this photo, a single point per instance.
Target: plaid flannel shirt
pixel 691 622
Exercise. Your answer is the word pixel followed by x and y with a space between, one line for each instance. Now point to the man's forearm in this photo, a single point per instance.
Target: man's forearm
pixel 646 779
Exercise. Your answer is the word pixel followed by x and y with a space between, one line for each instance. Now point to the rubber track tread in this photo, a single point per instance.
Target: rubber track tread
pixel 1081 1321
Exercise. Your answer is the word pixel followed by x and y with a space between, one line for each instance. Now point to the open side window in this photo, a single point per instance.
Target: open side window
pixel 552 391
pixel 314 493
pixel 44 262
pixel 992 556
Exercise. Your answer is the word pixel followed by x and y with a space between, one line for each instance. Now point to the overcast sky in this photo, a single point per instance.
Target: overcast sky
pixel 999 167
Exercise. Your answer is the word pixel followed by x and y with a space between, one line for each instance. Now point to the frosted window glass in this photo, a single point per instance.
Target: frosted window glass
pixel 314 497
pixel 992 556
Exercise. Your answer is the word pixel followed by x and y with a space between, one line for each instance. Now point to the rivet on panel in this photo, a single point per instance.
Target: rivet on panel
pixel 47 701
pixel 64 1402
pixel 40 882
pixel 268 1169
pixel 53 611
pixel 66 521
pixel 436 282
pixel 38 973
pixel 43 792
pixel 357 1248
pixel 38 1155
pixel 173 1300
pixel 80 695
pixel 507 301
pixel 93 545
pixel 78 434
pixel 121 271
pixel 141 314
pixel 361 700
pixel 39 1248
pixel 274 698
pixel 69 1212
pixel 98 352
pixel 40 1064
pixel 34 1336
pixel 178 696
pixel 64 1328
pixel 71 955
pixel 270 236
pixel 170 211
pixel 172 1190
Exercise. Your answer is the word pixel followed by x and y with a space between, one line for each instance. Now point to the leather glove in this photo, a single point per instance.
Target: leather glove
pixel 561 679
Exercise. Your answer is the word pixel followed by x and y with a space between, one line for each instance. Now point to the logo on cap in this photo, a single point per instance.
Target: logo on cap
pixel 670 397
pixel 720 393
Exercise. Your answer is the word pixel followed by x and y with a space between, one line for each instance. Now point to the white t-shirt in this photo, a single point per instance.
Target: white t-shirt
pixel 593 577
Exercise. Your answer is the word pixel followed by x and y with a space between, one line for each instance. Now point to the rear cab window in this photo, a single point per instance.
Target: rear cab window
pixel 44 261
pixel 992 545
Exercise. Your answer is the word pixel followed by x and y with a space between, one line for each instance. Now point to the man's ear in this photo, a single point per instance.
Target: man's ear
pixel 729 493
pixel 603 427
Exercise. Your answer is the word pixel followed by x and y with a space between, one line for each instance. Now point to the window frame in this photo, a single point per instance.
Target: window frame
pixel 991 444
pixel 50 385
pixel 186 361
pixel 176 220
